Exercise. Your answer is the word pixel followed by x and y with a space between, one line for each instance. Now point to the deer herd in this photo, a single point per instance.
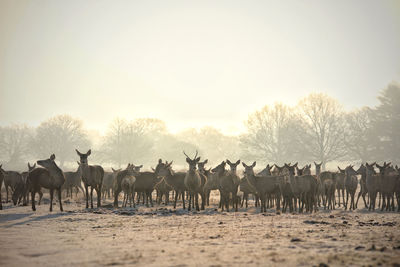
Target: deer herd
pixel 286 188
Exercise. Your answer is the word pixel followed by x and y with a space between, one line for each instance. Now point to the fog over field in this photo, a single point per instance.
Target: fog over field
pixel 278 122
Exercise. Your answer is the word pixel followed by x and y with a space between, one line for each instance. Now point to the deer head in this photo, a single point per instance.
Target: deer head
pixel 248 170
pixel 84 156
pixel 233 166
pixel 192 162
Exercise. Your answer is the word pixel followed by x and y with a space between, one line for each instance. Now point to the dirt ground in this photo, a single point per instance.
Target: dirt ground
pixel 162 236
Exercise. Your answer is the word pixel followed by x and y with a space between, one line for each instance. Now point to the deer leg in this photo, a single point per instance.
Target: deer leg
pixel 59 198
pixel 51 199
pixel 91 197
pixel 183 199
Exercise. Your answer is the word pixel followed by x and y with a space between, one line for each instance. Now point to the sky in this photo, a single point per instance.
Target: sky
pixel 190 63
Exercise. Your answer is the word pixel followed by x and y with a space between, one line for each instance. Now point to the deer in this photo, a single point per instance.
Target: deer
pixel 306 170
pixel 319 190
pixel 174 179
pixel 389 177
pixel 163 189
pixel 350 183
pixel 373 184
pixel 194 182
pixel 22 190
pixel 263 185
pixel 92 175
pixel 228 185
pixel 340 184
pixel 128 180
pixel 363 184
pixel 73 180
pixel 145 183
pixel 11 180
pixel 1 184
pixel 328 186
pixel 50 177
pixel 108 181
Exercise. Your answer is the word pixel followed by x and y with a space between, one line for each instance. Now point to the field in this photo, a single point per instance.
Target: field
pixel 162 236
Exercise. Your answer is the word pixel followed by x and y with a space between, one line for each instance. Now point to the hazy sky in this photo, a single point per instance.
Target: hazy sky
pixel 190 64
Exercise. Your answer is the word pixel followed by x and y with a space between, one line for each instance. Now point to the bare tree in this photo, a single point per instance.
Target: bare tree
pixel 14 141
pixel 323 136
pixel 60 135
pixel 385 121
pixel 359 138
pixel 271 135
pixel 132 141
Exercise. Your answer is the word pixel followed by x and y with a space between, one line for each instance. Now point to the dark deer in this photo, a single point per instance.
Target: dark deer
pixel 340 185
pixel 1 184
pixel 11 180
pixel 350 183
pixel 175 179
pixel 108 181
pixel 50 177
pixel 228 186
pixel 92 175
pixel 263 185
pixel 363 184
pixel 388 184
pixel 128 180
pixel 22 190
pixel 193 182
pixel 373 184
pixel 73 180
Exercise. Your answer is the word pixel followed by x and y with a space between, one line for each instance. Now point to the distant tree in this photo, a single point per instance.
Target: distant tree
pixel 271 135
pixel 14 140
pixel 324 126
pixel 359 138
pixel 212 143
pixel 386 123
pixel 132 142
pixel 60 135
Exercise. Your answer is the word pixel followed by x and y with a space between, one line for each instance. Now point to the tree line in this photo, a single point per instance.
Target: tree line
pixel 316 129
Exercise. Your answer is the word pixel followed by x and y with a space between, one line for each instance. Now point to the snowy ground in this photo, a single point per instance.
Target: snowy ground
pixel 162 236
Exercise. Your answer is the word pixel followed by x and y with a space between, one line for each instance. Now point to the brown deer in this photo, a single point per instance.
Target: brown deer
pixel 50 177
pixel 340 185
pixel 108 181
pixel 22 191
pixel 350 184
pixel 328 186
pixel 193 182
pixel 73 180
pixel 128 180
pixel 389 178
pixel 363 184
pixel 92 175
pixel 373 184
pixel 263 185
pixel 1 184
pixel 11 180
pixel 228 186
pixel 175 179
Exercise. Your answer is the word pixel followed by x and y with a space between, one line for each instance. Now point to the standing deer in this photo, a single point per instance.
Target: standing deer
pixel 340 186
pixel 373 184
pixel 22 191
pixel 128 180
pixel 1 184
pixel 228 186
pixel 263 185
pixel 73 180
pixel 50 177
pixel 363 184
pixel 193 182
pixel 174 179
pixel 350 183
pixel 11 180
pixel 92 175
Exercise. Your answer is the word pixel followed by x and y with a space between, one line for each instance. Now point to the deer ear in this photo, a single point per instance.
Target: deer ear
pixel 244 164
pixel 89 152
pixel 52 157
pixel 34 165
pixel 139 166
pixel 198 159
pixel 169 164
pixel 153 169
pixel 254 164
pixel 237 162
pixel 29 165
pixel 77 152
pixel 78 163
pixel 205 162
pixel 228 161
pixel 187 160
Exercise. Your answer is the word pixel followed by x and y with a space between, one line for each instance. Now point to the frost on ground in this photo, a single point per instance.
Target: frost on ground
pixel 162 236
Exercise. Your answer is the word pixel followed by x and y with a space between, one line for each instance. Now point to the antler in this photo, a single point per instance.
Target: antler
pixel 186 154
pixel 196 154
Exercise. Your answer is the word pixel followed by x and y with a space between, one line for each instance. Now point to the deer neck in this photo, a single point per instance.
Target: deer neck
pixel 56 173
